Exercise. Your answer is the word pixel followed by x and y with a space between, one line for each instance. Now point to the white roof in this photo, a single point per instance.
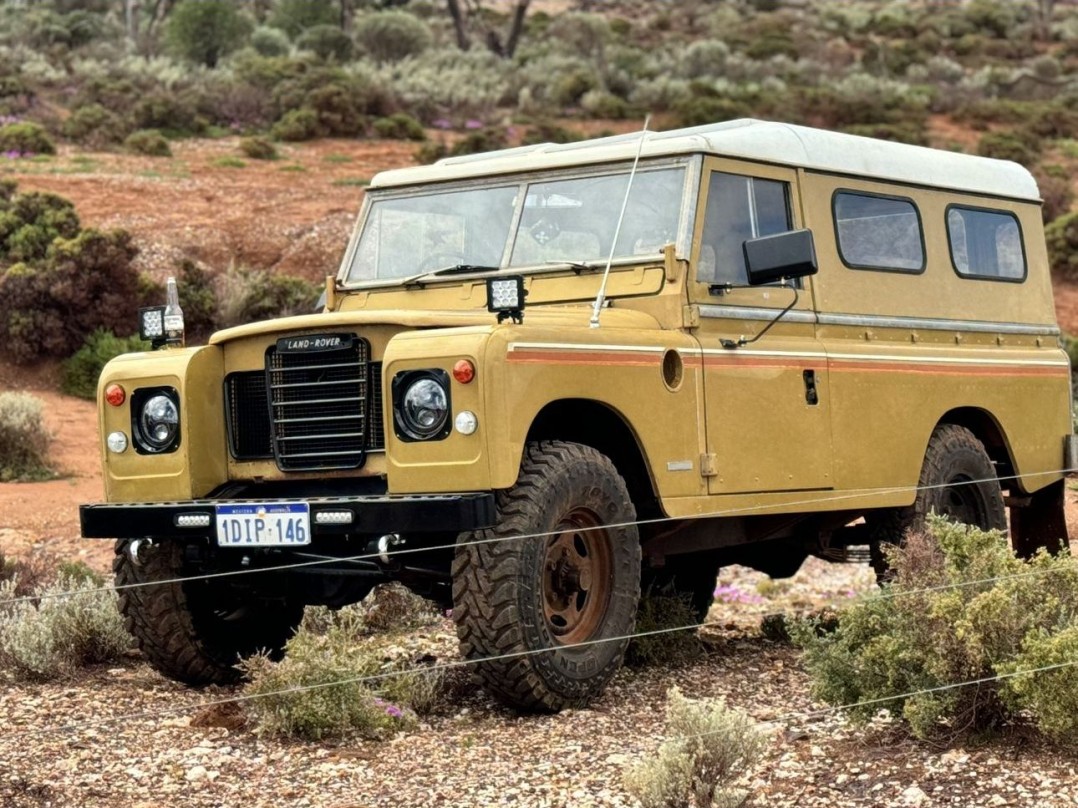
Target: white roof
pixel 749 139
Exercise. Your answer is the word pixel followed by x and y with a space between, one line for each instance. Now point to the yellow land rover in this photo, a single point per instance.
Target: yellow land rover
pixel 549 378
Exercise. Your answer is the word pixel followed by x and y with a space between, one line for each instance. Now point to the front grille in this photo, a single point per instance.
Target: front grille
pixel 377 437
pixel 247 404
pixel 319 403
pixel 251 433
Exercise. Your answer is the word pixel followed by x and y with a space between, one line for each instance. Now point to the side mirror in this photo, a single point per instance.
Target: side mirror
pixel 784 255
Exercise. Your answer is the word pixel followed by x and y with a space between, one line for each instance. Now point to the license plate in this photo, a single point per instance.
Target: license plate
pixel 264 524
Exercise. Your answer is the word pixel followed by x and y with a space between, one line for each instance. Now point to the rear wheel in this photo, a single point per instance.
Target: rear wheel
pixel 196 630
pixel 545 601
pixel 957 480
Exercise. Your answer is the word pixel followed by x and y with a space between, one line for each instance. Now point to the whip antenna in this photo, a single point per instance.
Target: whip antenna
pixel 601 297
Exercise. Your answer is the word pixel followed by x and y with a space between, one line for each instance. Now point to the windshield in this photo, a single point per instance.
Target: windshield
pixel 519 224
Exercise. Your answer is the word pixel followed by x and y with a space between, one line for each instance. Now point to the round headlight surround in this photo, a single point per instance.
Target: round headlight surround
pixel 421 405
pixel 155 415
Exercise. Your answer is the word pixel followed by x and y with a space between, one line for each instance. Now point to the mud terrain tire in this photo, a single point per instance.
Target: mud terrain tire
pixel 196 631
pixel 516 593
pixel 954 457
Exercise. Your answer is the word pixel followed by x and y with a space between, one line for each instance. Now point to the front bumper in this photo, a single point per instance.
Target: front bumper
pixel 436 513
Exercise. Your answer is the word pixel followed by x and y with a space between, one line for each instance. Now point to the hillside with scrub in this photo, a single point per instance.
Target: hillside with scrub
pixel 228 143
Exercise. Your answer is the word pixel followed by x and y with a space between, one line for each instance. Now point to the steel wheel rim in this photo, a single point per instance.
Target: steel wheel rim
pixel 960 501
pixel 577 571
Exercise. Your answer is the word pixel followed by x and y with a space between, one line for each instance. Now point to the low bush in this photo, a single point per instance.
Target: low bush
pixel 27 575
pixel 24 441
pixel 48 308
pixel 148 142
pixel 327 42
pixel 167 112
pixel 1057 194
pixel 399 126
pixel 546 132
pixel 53 636
pixel 708 748
pixel 654 644
pixel 390 36
pixel 25 138
pixel 246 295
pixel 1009 146
pixel 333 682
pixel 481 140
pixel 95 126
pixel 297 125
pixel 431 152
pixel 270 41
pixel 82 370
pixel 31 222
pixel 1061 236
pixel 259 148
pixel 962 608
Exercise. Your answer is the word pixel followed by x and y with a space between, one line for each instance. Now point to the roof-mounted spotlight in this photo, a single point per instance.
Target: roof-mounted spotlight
pixel 505 297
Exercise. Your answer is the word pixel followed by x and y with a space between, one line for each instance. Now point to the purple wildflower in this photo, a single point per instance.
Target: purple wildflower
pixel 728 593
pixel 441 123
pixel 13 154
pixel 472 123
pixel 393 711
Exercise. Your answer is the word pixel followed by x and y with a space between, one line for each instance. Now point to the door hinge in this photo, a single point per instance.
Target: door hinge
pixel 708 465
pixel 690 316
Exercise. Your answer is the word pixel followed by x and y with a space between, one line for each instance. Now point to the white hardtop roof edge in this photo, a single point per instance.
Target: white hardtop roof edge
pixel 749 139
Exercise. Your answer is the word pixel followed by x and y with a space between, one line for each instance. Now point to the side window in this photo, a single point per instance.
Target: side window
pixel 986 244
pixel 738 208
pixel 878 232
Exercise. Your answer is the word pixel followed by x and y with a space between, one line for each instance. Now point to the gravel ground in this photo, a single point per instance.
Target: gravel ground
pixel 126 736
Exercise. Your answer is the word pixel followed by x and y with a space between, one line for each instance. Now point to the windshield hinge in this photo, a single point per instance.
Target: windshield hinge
pixel 690 316
pixel 709 465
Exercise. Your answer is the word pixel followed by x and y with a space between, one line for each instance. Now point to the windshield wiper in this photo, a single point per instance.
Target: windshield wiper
pixel 576 266
pixel 417 280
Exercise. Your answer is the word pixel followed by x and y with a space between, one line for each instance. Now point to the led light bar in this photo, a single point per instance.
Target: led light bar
pixel 334 517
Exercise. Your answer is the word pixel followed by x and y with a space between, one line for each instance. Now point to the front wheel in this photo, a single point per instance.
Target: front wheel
pixel 544 603
pixel 195 629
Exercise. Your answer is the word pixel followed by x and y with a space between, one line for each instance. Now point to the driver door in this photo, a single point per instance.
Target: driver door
pixel 767 405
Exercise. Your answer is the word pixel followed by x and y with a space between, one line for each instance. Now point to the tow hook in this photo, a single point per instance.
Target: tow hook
pixel 386 543
pixel 139 550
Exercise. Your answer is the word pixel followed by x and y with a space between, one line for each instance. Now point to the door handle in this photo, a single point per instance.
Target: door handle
pixel 812 397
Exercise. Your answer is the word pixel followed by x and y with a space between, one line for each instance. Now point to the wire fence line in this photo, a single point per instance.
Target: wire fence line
pixel 403 551
pixel 789 717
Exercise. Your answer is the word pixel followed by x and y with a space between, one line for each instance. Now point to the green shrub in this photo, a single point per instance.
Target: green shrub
pixel 338 683
pixel 246 295
pixel 24 441
pixel 229 162
pixel 962 608
pixel 399 126
pixel 27 575
pixel 31 222
pixel 708 747
pixel 83 283
pixel 259 148
pixel 1061 237
pixel 58 634
pixel 204 31
pixel 148 142
pixel 82 370
pixel 297 125
pixel 547 132
pixel 390 36
pixel 1057 194
pixel 656 613
pixel 339 114
pixel 1008 146
pixel 481 140
pixel 25 138
pixel 94 126
pixel 326 42
pixel 269 41
pixel 295 16
pixel 166 112
pixel 602 104
pixel 431 152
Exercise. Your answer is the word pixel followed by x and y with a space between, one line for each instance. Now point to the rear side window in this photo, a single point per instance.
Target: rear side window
pixel 878 232
pixel 986 244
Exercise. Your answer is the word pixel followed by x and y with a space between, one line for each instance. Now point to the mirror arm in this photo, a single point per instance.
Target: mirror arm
pixel 730 344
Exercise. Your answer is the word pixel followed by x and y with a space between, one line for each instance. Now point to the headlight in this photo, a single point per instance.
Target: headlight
pixel 421 404
pixel 156 414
